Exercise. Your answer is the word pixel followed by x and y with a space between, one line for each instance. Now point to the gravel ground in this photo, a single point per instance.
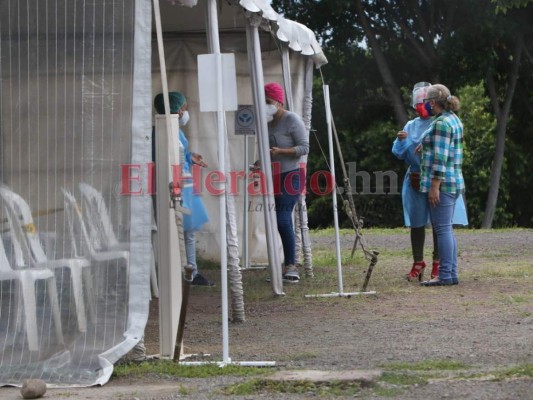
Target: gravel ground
pixel 486 323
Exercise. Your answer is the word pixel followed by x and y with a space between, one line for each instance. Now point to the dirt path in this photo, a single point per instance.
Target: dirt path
pixel 485 323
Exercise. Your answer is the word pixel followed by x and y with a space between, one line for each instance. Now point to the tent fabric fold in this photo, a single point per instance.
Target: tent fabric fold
pixel 298 37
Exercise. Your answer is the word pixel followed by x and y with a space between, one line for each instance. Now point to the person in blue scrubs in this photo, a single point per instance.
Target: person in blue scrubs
pixel 192 201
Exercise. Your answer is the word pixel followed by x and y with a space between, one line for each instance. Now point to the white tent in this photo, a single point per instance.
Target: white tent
pixel 184 42
pixel 77 83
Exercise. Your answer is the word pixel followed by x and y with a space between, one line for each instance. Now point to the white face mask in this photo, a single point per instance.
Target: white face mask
pixel 184 118
pixel 271 109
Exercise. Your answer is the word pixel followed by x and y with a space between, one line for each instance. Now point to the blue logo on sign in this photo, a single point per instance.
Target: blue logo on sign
pixel 245 117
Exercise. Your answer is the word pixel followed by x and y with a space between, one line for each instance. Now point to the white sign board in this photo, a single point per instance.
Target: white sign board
pixel 208 66
pixel 245 120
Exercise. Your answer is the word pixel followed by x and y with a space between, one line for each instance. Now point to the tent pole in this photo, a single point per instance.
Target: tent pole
pixel 301 229
pixel 341 292
pixel 267 187
pixel 169 255
pixel 334 191
pixel 246 221
pixel 221 142
pixel 287 82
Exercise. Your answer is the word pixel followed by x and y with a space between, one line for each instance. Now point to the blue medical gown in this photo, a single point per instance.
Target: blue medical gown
pixel 192 201
pixel 415 203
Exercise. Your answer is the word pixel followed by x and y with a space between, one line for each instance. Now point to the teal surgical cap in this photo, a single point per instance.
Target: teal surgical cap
pixel 176 100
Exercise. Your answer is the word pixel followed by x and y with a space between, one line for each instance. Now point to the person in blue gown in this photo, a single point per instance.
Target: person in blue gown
pixel 190 200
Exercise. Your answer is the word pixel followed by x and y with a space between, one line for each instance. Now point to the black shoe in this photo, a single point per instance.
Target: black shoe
pixel 200 280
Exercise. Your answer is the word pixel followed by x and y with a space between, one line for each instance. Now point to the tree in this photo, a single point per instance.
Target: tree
pixel 479 125
pixel 406 38
pixel 457 42
pixel 502 111
pixel 502 78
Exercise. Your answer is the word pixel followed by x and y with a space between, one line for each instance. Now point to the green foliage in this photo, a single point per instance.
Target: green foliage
pixel 479 138
pixel 519 371
pixel 504 5
pixel 479 141
pixel 403 379
pixel 375 176
pixel 173 369
pixel 458 43
pixel 428 365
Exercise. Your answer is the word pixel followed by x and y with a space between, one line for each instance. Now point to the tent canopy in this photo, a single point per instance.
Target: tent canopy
pixel 298 37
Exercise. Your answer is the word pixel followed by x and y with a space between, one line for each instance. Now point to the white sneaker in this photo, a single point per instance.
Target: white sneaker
pixel 291 274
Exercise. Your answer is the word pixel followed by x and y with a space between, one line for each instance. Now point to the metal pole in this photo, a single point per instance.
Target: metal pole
pixel 334 200
pixel 169 253
pixel 245 255
pixel 164 81
pixel 221 142
pixel 334 191
pixel 256 69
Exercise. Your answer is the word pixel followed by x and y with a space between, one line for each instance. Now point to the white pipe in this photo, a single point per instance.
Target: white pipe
pixel 287 82
pixel 164 161
pixel 334 192
pixel 245 252
pixel 221 142
pixel 348 295
pixel 256 69
pixel 335 213
pixel 161 49
pixel 222 364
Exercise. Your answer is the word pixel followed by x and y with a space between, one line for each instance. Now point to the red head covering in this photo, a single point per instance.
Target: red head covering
pixel 274 91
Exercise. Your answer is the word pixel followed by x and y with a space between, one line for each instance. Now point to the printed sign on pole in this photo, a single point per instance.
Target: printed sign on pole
pixel 245 120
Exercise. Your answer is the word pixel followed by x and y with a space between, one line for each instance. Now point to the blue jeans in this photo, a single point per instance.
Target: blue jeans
pixel 286 196
pixel 441 219
pixel 190 250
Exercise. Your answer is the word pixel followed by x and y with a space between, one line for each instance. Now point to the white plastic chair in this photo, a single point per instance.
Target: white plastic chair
pixel 27 278
pixel 81 240
pixel 100 227
pixel 29 252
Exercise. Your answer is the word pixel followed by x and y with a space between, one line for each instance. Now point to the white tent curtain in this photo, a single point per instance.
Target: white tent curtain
pixel 74 108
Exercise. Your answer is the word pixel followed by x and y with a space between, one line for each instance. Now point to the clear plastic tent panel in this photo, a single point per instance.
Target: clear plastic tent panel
pixel 66 101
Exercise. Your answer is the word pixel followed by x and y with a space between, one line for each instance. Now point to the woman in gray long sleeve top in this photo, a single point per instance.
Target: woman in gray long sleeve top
pixel 288 143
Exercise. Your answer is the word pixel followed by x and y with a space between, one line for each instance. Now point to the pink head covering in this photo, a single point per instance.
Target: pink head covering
pixel 275 92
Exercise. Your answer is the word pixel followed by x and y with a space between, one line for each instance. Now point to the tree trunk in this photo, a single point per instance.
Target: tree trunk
pixel 389 85
pixel 502 116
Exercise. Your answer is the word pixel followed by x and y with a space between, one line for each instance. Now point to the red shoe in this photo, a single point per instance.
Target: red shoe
pixel 417 272
pixel 435 269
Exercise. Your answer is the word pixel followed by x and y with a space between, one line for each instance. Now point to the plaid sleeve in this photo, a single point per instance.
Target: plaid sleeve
pixel 441 146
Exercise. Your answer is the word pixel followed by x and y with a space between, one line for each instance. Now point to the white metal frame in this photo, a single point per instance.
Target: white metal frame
pixel 341 292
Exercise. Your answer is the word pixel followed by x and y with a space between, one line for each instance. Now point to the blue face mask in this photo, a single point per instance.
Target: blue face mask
pixel 427 106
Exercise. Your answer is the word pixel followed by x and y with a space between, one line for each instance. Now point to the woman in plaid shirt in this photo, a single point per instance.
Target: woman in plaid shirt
pixel 441 176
